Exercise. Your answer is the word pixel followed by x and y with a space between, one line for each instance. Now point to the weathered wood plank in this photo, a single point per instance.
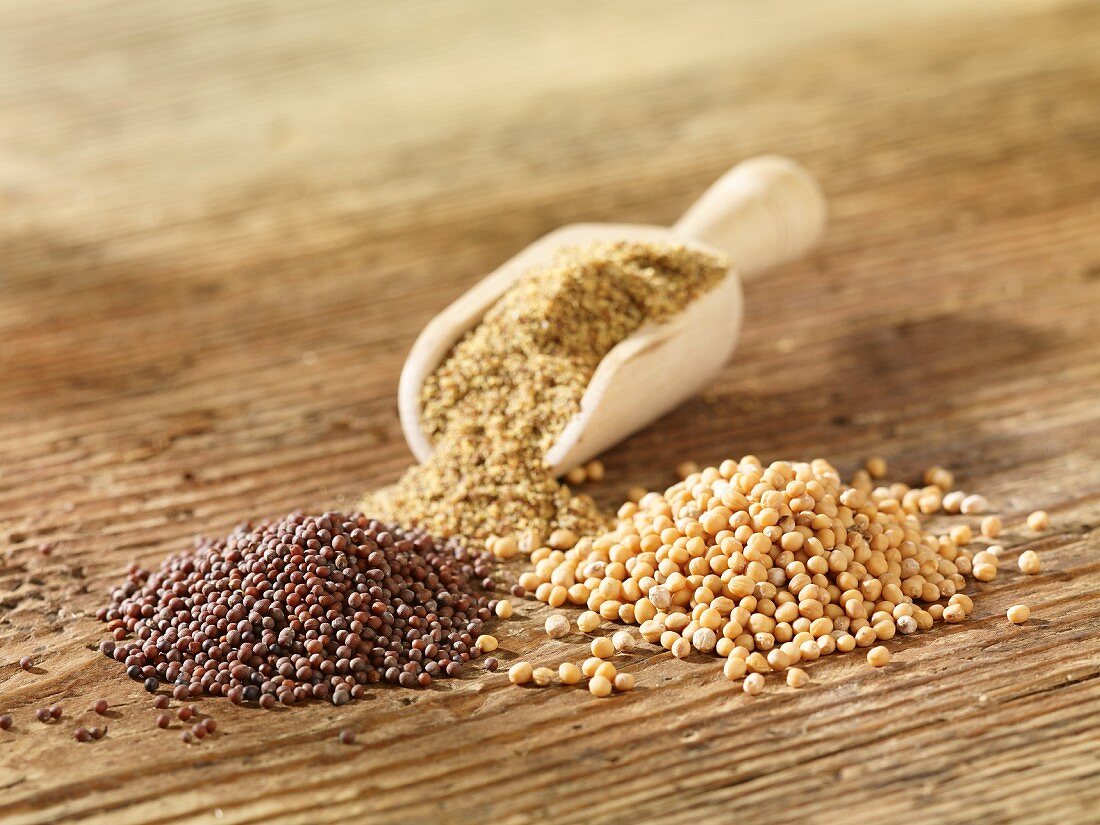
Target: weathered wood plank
pixel 222 226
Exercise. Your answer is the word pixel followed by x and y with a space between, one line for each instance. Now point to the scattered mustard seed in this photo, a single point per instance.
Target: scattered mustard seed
pixel 623 682
pixel 797 677
pixel 599 686
pixel 1019 613
pixel 556 626
pixel 504 609
pixel 602 647
pixel 878 656
pixel 1029 562
pixel 520 673
pixel 542 676
pixel 753 684
pixel 1038 521
pixel 569 673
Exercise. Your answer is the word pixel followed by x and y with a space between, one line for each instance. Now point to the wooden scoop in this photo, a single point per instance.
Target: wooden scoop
pixel 762 213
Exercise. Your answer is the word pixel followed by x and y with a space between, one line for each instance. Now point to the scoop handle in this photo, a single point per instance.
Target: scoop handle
pixel 763 212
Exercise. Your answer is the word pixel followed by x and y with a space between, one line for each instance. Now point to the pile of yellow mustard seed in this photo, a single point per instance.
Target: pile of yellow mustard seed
pixel 772 566
pixel 508 388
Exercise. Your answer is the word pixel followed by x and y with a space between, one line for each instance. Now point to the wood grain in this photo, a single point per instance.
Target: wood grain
pixel 222 225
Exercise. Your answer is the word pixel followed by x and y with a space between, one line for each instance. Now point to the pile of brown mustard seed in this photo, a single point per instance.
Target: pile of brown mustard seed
pixel 509 387
pixel 769 566
pixel 305 607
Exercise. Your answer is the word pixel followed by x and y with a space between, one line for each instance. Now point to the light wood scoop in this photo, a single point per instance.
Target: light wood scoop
pixel 762 213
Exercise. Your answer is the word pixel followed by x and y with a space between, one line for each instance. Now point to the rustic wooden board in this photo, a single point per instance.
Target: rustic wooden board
pixel 221 226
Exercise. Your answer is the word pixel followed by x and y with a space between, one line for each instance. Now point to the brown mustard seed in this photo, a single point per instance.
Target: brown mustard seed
pixel 26 663
pixel 55 711
pixel 100 706
pixel 332 603
pixel 346 736
pixel 506 390
pixel 43 715
pixel 161 702
pixel 6 721
pixel 163 720
pixel 82 735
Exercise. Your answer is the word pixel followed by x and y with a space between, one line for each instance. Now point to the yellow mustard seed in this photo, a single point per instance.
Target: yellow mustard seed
pixel 602 647
pixel 595 470
pixel 734 668
pixel 505 548
pixel 985 572
pixel 1029 562
pixel 576 476
pixel 952 502
pixel 623 641
pixel 681 648
pixel 624 682
pixel 974 505
pixel 589 666
pixel 487 643
pixel 797 677
pixel 542 676
pixel 1038 521
pixel 991 526
pixel 520 673
pixel 504 609
pixel 753 684
pixel 1019 613
pixel 569 673
pixel 599 686
pixel 876 467
pixel 588 621
pixel 607 670
pixel 556 626
pixel 878 656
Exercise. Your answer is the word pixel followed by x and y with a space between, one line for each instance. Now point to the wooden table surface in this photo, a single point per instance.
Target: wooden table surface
pixel 222 225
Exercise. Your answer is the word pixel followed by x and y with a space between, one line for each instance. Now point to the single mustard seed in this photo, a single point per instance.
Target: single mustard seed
pixel 198 730
pixel 504 548
pixel 753 684
pixel 82 735
pixel 878 656
pixel 681 648
pixel 589 666
pixel 161 701
pixel 151 684
pixel 55 711
pixel 1019 613
pixel 43 715
pixel 599 686
pixel 26 663
pixel 487 643
pixel 556 626
pixel 623 682
pixel 504 609
pixel 974 505
pixel 876 467
pixel 186 737
pixel 578 475
pixel 602 647
pixel 542 676
pixel 6 721
pixel 595 470
pixel 185 713
pixel 623 641
pixel 588 621
pixel 991 526
pixel 569 673
pixel 520 673
pixel 346 736
pixel 1029 562
pixel 1038 521
pixel 163 720
pixel 100 706
pixel 607 670
pixel 797 677
pixel 491 664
